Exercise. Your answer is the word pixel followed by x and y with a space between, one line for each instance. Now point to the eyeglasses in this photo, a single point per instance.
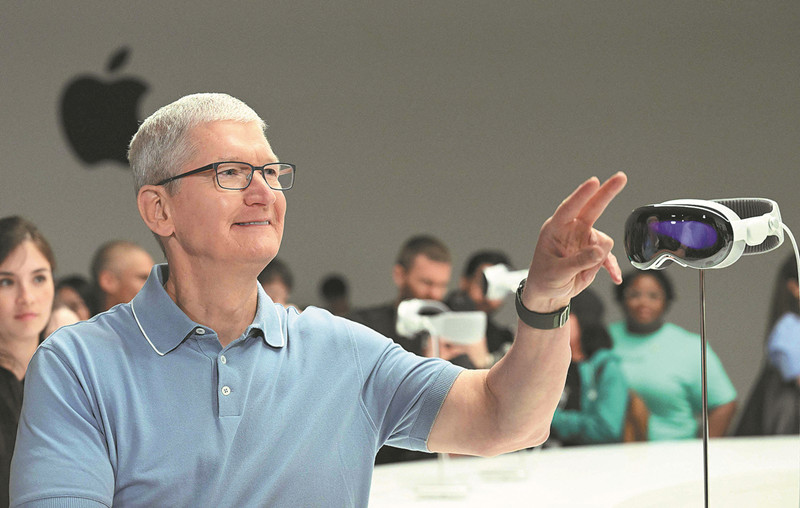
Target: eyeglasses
pixel 234 175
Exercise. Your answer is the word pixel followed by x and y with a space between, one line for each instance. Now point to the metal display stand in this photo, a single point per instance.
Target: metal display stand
pixel 704 387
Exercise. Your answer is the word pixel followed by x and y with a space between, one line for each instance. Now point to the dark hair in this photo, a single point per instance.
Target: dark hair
pixel 333 286
pixel 589 309
pixel 659 275
pixel 783 300
pixel 15 230
pixel 82 286
pixel 276 269
pixel 429 246
pixel 485 257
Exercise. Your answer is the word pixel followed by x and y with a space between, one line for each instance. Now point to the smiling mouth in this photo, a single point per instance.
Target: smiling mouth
pixel 254 223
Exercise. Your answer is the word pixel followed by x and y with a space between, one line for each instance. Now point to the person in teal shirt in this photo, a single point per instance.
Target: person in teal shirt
pixel 661 362
pixel 592 410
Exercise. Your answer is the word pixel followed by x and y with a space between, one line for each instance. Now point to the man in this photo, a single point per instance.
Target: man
pixel 471 295
pixel 422 270
pixel 119 270
pixel 201 392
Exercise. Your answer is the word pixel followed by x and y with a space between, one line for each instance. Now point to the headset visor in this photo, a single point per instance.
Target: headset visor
pixel 691 236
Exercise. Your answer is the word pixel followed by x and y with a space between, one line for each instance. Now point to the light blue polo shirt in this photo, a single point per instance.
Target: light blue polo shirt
pixel 141 406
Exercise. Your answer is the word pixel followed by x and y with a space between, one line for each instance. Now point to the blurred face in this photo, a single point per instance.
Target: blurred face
pixel 474 288
pixel 213 225
pixel 645 300
pixel 426 279
pixel 26 293
pixel 277 290
pixel 131 274
pixel 73 301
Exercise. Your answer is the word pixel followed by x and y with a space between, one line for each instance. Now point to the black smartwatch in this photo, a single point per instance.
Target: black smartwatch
pixel 539 321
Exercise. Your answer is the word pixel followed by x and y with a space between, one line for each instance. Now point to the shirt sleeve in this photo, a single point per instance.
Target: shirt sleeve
pixel 783 347
pixel 402 393
pixel 61 457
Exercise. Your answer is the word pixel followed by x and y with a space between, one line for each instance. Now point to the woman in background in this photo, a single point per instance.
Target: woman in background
pixel 595 399
pixel 661 362
pixel 26 301
pixel 76 293
pixel 774 403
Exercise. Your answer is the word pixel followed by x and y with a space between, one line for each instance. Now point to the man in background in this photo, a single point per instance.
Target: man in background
pixel 422 270
pixel 119 270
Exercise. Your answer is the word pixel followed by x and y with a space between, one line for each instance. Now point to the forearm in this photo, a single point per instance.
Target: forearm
pixel 510 406
pixel 526 385
pixel 719 418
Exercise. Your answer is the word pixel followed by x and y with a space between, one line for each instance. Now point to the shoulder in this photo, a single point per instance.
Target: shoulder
pixel 617 328
pixel 673 331
pixel 319 324
pixel 604 358
pixel 105 334
pixel 789 323
pixel 785 331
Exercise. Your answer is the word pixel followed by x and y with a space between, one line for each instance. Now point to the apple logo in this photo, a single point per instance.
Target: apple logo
pixel 100 118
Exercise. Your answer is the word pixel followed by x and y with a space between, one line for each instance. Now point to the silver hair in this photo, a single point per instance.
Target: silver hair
pixel 162 142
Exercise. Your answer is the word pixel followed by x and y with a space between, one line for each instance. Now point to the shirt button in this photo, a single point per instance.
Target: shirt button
pixel 226 390
pixel 200 331
pixel 223 359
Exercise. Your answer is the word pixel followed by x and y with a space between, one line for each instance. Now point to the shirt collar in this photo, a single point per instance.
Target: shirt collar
pixel 164 325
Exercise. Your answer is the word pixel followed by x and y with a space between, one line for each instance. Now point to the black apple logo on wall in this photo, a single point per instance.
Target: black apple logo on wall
pixel 100 118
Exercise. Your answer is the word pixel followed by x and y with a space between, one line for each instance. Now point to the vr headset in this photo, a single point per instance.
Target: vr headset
pixel 498 281
pixel 701 234
pixel 436 318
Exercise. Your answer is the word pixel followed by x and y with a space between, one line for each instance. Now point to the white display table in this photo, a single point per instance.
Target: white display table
pixel 743 472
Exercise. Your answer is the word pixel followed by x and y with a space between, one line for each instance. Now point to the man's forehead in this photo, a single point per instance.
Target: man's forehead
pixel 422 261
pixel 230 141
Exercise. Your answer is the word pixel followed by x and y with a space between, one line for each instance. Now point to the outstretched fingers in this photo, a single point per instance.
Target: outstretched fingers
pixel 569 209
pixel 596 205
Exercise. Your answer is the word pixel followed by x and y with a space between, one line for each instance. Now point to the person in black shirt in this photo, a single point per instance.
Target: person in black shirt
pixel 26 301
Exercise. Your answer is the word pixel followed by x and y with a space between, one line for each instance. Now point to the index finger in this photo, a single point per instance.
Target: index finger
pixel 597 204
pixel 575 202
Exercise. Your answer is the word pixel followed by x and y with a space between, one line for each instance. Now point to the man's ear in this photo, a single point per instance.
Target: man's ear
pixel 399 275
pixel 107 281
pixel 153 202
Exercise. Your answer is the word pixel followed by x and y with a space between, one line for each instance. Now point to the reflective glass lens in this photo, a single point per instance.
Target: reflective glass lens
pixel 689 235
pixel 237 175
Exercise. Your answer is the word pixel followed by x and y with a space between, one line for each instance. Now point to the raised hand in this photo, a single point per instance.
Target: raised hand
pixel 570 252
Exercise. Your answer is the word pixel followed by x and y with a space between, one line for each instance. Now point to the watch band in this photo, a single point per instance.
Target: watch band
pixel 539 321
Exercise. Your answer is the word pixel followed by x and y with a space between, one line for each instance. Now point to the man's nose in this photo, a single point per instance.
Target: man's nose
pixel 259 191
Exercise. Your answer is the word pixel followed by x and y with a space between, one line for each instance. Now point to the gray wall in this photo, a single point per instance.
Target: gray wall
pixel 469 120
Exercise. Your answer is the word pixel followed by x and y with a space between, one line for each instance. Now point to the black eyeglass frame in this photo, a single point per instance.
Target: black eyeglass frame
pixel 253 169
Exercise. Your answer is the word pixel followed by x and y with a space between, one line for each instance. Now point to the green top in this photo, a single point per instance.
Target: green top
pixel 604 400
pixel 664 369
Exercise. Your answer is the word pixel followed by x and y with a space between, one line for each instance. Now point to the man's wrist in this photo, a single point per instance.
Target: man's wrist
pixel 554 317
